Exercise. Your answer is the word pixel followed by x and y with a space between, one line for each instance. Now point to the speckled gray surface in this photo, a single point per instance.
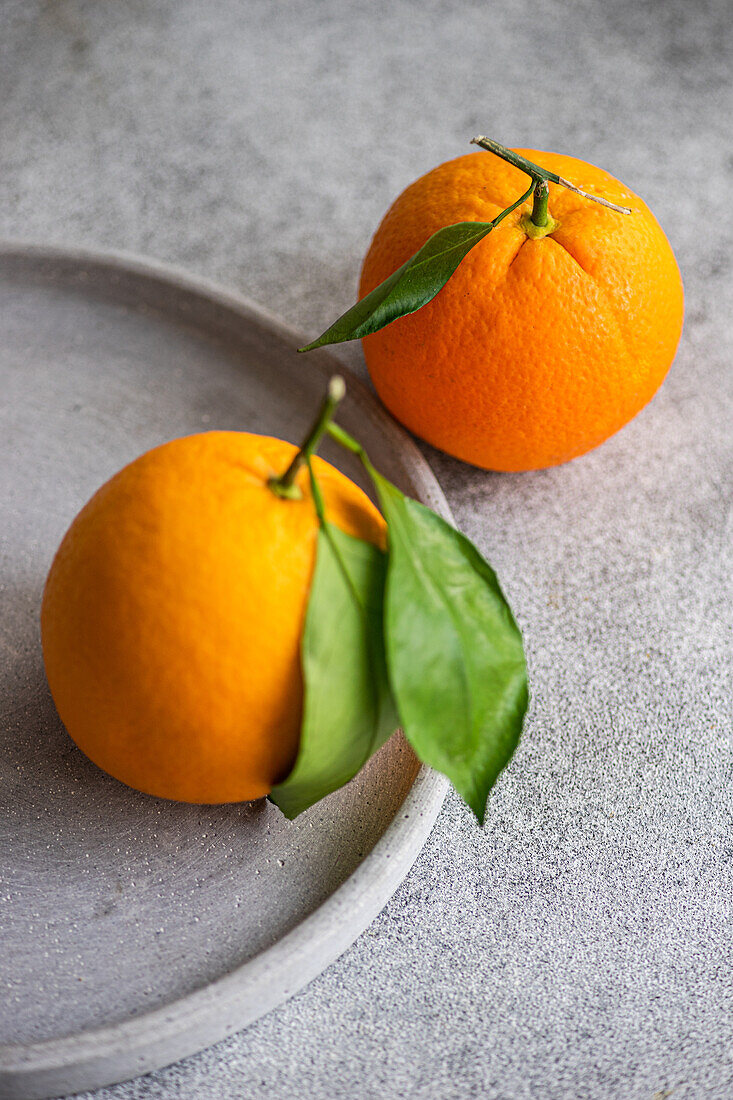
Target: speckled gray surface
pixel 579 947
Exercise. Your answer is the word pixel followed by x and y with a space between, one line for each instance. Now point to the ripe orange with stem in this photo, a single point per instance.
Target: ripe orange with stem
pixel 174 608
pixel 554 331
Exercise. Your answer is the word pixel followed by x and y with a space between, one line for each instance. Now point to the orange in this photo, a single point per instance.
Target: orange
pixel 173 612
pixel 535 350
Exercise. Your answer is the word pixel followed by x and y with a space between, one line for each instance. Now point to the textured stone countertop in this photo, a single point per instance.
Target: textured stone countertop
pixel 580 945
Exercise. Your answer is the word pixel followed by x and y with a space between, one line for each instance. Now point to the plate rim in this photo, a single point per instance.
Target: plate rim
pixel 106 1055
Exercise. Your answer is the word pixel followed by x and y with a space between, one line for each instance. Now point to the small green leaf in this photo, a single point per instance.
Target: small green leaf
pixel 410 287
pixel 454 652
pixel 348 710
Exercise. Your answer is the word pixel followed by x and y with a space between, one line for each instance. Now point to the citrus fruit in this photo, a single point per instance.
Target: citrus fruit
pixel 173 612
pixel 544 341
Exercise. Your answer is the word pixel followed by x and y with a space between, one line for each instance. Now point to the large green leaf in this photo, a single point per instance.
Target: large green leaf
pixel 414 284
pixel 410 287
pixel 348 711
pixel 454 652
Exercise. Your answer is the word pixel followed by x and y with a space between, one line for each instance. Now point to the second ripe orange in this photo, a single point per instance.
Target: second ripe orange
pixel 539 347
pixel 173 613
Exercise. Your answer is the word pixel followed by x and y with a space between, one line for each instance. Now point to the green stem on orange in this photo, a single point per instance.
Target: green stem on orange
pixel 539 206
pixel 284 484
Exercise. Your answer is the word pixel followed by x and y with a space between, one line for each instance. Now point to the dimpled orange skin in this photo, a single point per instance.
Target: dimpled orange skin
pixel 173 612
pixel 535 351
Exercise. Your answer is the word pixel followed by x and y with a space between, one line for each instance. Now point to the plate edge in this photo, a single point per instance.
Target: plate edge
pixel 95 1057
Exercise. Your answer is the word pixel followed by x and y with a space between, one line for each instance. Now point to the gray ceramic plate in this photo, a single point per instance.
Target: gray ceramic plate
pixel 136 931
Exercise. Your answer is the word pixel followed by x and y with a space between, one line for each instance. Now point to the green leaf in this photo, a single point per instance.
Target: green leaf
pixel 348 710
pixel 414 284
pixel 454 652
pixel 410 287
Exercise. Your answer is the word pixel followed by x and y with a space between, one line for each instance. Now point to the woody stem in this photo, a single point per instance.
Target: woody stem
pixel 541 174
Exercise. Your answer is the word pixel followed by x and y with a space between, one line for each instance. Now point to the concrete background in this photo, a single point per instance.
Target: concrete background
pixel 579 946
